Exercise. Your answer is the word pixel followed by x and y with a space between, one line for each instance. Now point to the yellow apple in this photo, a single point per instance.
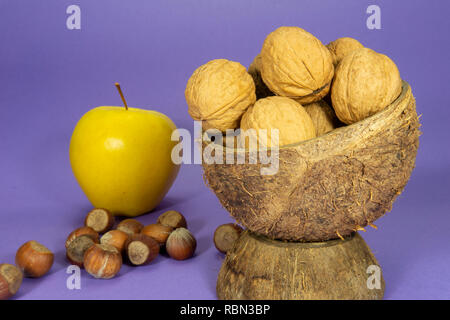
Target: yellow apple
pixel 121 157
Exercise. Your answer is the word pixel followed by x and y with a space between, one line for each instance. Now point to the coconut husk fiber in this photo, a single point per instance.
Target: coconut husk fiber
pixel 264 269
pixel 329 186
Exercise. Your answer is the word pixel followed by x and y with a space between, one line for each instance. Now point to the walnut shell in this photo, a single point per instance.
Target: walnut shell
pixel 254 70
pixel 286 115
pixel 296 64
pixel 341 47
pixel 365 82
pixel 218 93
pixel 323 117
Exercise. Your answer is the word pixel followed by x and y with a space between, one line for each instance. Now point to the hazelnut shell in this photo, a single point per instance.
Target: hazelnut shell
pixel 83 231
pixel 34 259
pixel 225 236
pixel 116 238
pixel 102 261
pixel 101 220
pixel 10 280
pixel 77 248
pixel 130 226
pixel 181 244
pixel 141 249
pixel 172 219
pixel 158 232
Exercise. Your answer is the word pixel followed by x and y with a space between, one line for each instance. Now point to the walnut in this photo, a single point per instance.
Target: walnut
pixel 323 117
pixel 365 83
pixel 341 47
pixel 296 64
pixel 254 70
pixel 218 93
pixel 289 117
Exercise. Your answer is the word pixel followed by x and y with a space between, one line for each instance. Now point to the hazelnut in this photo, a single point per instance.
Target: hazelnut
pixel 101 220
pixel 34 259
pixel 181 244
pixel 115 238
pixel 10 280
pixel 172 219
pixel 158 232
pixel 225 236
pixel 130 226
pixel 83 231
pixel 102 261
pixel 141 249
pixel 77 248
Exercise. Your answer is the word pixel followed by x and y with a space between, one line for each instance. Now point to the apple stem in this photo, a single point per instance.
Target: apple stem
pixel 121 95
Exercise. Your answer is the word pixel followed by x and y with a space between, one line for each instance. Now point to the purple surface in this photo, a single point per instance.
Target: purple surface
pixel 51 76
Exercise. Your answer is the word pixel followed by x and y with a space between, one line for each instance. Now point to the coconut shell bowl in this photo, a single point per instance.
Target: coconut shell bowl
pixel 301 240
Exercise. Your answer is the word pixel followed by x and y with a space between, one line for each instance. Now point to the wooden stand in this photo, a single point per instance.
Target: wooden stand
pixel 260 268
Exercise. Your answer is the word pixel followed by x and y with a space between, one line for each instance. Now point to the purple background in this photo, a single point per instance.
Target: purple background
pixel 51 76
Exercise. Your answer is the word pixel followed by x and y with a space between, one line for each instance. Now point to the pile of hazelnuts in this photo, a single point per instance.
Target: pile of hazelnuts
pixel 131 241
pixel 102 256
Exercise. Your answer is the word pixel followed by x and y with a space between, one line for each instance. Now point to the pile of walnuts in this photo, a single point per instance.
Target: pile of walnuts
pixel 296 85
